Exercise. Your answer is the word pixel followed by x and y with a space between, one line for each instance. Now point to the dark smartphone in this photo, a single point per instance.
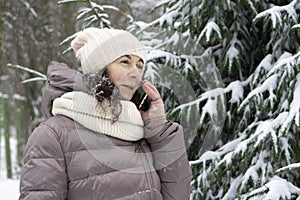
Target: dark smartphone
pixel 141 100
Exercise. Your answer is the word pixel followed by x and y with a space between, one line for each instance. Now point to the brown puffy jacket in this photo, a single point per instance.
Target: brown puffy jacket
pixel 64 160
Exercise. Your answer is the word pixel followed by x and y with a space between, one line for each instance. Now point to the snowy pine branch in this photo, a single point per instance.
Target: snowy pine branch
pixel 68 39
pixel 269 77
pixel 276 188
pixel 233 52
pixel 30 8
pixel 171 14
pixel 208 31
pixel 262 70
pixel 276 13
pixel 297 26
pixel 93 14
pixel 252 173
pixel 269 85
pixel 288 63
pixel 41 76
pixel 70 1
pixel 294 108
pixel 291 167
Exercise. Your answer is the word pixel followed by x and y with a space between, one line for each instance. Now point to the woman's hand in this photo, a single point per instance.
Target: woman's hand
pixel 156 109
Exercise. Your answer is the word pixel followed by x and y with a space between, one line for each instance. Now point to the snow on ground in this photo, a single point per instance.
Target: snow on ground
pixel 9 188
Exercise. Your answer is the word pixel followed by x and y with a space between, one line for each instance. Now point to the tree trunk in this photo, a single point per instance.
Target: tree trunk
pixel 5 109
pixel 20 128
pixel 2 11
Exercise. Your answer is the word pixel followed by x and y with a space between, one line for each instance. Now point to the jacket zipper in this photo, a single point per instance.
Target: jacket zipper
pixel 147 169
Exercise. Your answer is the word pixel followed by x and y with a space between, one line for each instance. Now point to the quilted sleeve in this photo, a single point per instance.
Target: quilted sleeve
pixel 170 159
pixel 43 175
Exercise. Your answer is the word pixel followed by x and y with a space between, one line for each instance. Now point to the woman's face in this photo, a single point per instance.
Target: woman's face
pixel 126 73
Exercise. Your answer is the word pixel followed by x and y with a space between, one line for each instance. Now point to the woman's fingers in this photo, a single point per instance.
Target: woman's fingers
pixel 150 90
pixel 157 107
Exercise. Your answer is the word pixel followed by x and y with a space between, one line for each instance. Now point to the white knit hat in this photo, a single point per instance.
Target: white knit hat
pixel 96 48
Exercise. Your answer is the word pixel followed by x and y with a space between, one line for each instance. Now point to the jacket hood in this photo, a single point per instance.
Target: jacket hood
pixel 60 79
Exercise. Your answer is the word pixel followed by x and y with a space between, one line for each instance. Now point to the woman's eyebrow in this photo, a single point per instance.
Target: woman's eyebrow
pixel 141 60
pixel 127 56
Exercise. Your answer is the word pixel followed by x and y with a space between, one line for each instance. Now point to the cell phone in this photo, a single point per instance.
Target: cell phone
pixel 141 100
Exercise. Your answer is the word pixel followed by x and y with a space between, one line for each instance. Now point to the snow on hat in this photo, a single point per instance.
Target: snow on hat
pixel 96 48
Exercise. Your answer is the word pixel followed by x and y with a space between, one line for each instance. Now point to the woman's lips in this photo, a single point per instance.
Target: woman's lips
pixel 128 86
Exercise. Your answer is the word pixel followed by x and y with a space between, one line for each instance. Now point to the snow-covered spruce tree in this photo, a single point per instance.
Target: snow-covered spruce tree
pixel 255 45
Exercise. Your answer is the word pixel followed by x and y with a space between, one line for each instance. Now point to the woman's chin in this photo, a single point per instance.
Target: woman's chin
pixel 126 94
pixel 127 97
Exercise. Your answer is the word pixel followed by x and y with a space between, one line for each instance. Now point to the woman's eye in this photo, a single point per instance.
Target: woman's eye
pixel 140 66
pixel 125 61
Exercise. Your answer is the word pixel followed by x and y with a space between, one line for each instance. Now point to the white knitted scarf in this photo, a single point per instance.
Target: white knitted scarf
pixel 86 110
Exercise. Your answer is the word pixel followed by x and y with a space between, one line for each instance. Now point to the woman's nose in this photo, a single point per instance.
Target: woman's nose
pixel 134 73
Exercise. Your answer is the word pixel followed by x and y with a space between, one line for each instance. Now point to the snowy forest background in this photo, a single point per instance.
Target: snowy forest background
pixel 228 71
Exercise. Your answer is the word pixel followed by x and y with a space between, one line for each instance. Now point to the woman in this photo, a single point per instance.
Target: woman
pixel 95 143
